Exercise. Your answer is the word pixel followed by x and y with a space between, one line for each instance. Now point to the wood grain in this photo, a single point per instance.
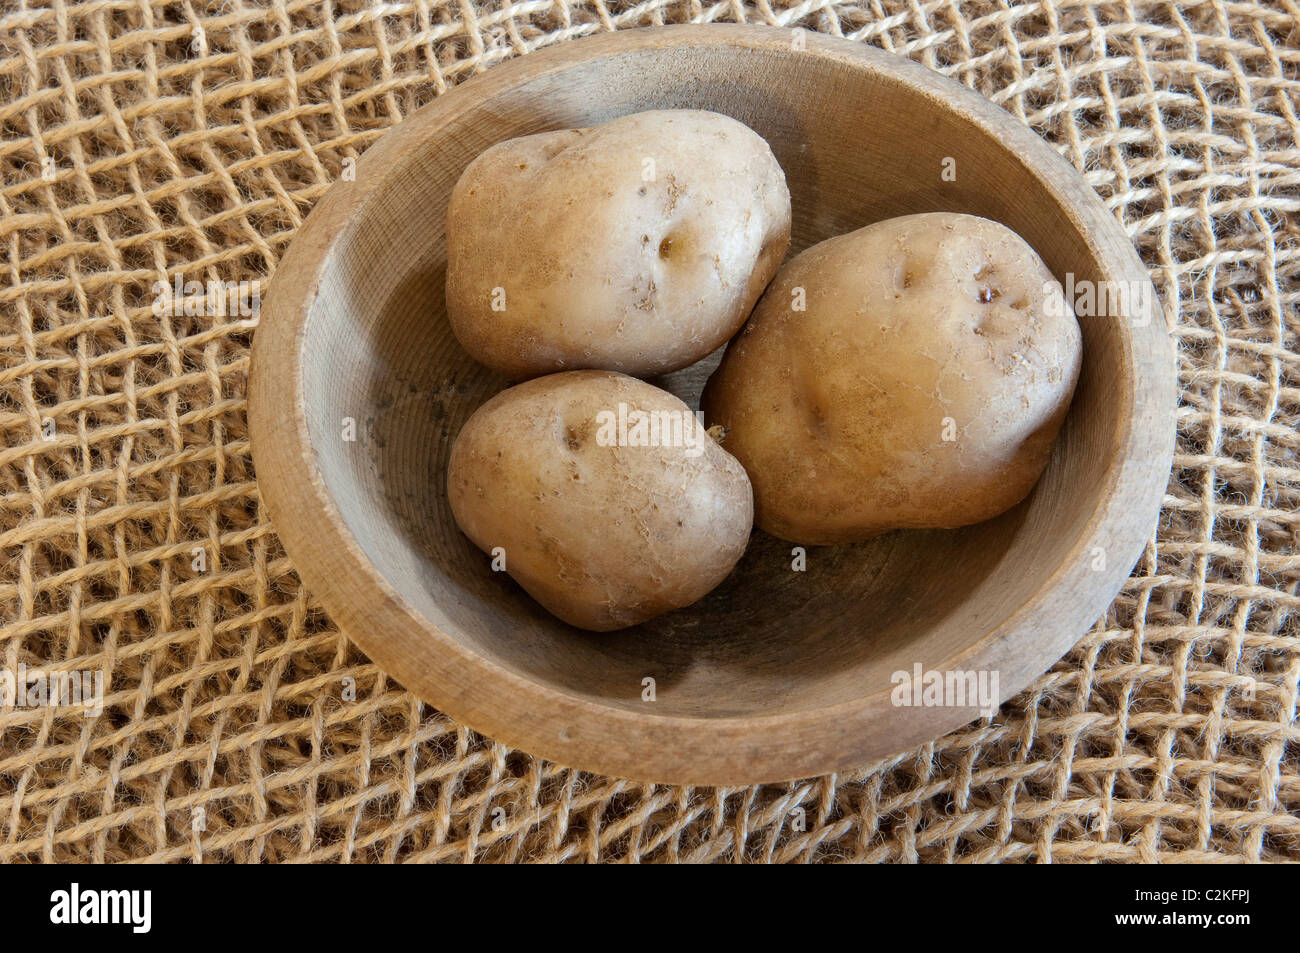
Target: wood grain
pixel 777 674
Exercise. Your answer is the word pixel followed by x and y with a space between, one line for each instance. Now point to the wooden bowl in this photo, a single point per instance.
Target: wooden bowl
pixel 777 674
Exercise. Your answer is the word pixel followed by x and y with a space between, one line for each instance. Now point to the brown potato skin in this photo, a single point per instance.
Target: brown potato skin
pixel 604 537
pixel 837 412
pixel 602 269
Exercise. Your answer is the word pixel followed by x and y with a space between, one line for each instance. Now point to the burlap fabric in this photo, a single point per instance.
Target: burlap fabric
pixel 145 139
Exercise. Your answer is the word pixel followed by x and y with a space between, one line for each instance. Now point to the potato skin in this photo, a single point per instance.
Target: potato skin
pixel 597 267
pixel 603 536
pixel 838 412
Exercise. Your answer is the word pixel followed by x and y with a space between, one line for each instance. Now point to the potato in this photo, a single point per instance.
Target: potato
pixel 922 386
pixel 607 498
pixel 637 246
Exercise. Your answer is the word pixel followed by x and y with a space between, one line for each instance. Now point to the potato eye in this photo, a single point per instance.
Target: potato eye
pixel 666 248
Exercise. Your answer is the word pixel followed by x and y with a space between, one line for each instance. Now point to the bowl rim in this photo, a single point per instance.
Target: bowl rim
pixel 608 739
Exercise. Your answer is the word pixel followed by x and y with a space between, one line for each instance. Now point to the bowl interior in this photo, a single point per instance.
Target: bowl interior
pixel 856 148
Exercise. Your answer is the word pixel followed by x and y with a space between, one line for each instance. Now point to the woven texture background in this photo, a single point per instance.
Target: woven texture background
pixel 191 138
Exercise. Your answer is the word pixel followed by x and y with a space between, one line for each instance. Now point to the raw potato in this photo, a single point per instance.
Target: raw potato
pixel 638 246
pixel 604 536
pixel 916 329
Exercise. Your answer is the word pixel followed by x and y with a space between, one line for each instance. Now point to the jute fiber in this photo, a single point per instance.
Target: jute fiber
pixel 141 140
